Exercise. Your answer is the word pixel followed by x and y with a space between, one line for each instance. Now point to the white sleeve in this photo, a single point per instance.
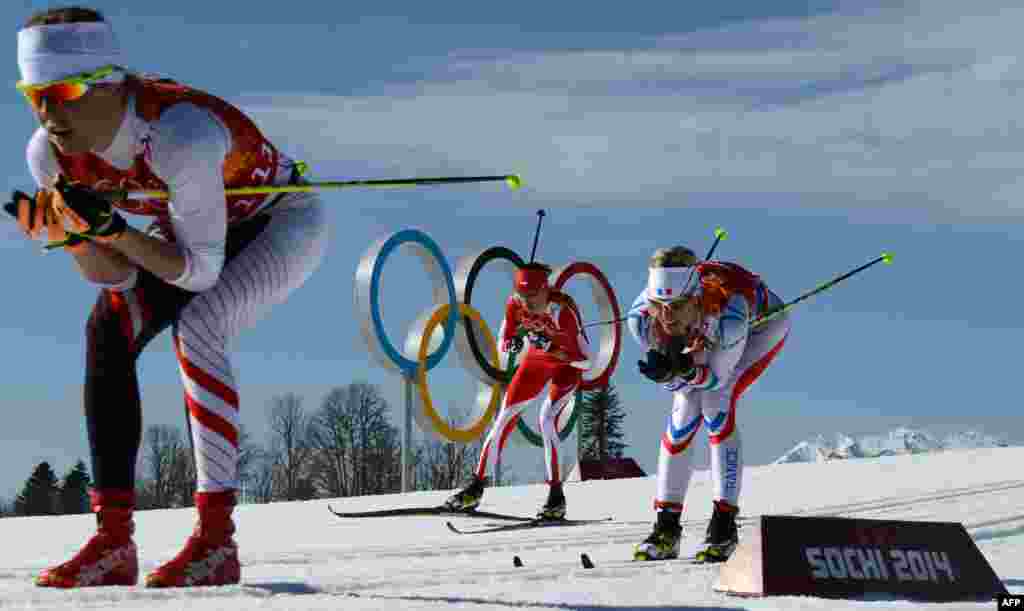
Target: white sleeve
pixel 639 322
pixel 729 333
pixel 188 150
pixel 43 166
pixel 503 357
pixel 41 162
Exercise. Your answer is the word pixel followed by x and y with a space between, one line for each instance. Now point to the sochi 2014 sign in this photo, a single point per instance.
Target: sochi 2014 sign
pixel 851 557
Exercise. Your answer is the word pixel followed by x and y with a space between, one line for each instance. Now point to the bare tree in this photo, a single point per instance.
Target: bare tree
pixel 248 453
pixel 439 465
pixel 163 447
pixel 168 471
pixel 330 436
pixel 261 482
pixel 384 456
pixel 289 427
pixel 184 476
pixel 357 450
pixel 372 439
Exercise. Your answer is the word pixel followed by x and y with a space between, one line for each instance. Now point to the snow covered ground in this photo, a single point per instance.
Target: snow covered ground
pixel 299 556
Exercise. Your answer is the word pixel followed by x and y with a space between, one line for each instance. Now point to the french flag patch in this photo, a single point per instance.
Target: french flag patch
pixel 663 292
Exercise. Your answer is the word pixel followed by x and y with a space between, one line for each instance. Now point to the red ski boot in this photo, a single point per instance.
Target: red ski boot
pixel 109 558
pixel 210 557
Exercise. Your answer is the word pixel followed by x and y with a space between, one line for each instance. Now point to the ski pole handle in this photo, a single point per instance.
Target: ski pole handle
pixel 536 234
pixel 720 234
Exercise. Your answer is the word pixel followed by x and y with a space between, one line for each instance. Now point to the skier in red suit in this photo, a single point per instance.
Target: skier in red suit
pixel 558 353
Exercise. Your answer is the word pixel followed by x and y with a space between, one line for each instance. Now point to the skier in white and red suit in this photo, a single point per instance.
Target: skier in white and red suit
pixel 558 354
pixel 210 266
pixel 693 322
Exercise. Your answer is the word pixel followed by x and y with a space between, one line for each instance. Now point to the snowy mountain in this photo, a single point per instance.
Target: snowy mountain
pixel 896 442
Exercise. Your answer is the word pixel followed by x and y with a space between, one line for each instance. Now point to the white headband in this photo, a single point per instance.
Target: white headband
pixel 52 52
pixel 670 283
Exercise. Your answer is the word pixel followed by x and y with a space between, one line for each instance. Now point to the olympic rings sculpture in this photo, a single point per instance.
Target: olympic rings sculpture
pixel 604 360
pixel 452 295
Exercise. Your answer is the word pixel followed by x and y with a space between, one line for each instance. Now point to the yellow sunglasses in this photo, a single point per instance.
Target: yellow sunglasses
pixel 64 90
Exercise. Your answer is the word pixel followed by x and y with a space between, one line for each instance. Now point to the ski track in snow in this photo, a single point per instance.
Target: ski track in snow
pixel 299 556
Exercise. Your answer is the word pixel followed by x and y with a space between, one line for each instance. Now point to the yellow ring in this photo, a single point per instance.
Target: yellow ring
pixel 476 429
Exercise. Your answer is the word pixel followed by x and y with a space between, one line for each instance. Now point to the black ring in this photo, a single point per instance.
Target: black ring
pixel 464 286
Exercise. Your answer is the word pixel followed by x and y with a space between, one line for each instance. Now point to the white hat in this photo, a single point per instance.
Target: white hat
pixel 56 51
pixel 667 284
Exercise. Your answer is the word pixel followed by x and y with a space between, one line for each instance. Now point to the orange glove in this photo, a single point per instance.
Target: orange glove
pixel 37 214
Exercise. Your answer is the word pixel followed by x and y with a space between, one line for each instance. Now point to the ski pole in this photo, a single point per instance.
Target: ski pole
pixel 514 181
pixel 536 235
pixel 720 234
pixel 769 315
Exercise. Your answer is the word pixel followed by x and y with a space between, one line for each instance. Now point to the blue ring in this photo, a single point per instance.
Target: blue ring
pixel 406 365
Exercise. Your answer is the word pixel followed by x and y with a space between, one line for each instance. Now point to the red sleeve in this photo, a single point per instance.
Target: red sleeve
pixel 569 320
pixel 511 323
pixel 569 327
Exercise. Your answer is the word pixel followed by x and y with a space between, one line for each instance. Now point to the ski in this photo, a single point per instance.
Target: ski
pixel 531 523
pixel 440 510
pixel 696 559
pixel 587 563
pixel 708 557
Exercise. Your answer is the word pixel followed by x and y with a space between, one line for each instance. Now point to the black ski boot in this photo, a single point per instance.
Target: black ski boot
pixel 663 543
pixel 554 508
pixel 467 499
pixel 722 535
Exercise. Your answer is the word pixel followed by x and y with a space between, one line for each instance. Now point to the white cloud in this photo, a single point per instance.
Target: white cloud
pixel 913 107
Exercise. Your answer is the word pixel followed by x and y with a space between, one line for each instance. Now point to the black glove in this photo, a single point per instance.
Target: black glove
pixel 514 344
pixel 92 208
pixel 20 199
pixel 539 340
pixel 658 367
pixel 680 362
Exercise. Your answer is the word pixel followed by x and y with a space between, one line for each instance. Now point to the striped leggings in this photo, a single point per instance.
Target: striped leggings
pixel 526 385
pixel 267 258
pixel 716 409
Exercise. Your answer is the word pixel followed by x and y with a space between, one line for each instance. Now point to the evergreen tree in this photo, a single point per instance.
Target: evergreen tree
pixel 40 495
pixel 74 491
pixel 600 425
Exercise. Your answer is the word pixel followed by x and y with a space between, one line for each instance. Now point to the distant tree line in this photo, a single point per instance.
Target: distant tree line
pixel 44 494
pixel 347 446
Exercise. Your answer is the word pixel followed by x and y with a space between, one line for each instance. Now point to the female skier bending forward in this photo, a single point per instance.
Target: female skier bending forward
pixel 693 321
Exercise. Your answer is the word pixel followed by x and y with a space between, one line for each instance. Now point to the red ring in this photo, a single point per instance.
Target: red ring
pixel 582 267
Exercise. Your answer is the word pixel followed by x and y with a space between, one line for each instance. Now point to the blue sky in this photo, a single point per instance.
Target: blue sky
pixel 818 138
